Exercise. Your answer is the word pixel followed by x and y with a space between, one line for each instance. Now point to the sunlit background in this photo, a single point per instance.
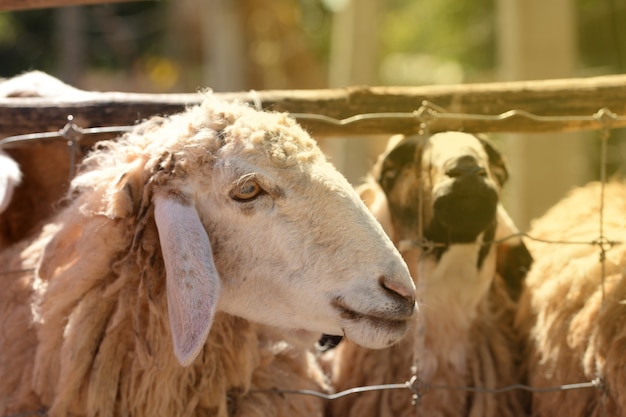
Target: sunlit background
pixel 237 45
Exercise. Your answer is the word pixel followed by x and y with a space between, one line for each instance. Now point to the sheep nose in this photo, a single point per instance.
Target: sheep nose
pixel 465 165
pixel 398 289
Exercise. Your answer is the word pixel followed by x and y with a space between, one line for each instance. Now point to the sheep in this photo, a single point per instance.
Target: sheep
pixel 45 166
pixel 438 199
pixel 193 263
pixel 572 317
pixel 10 177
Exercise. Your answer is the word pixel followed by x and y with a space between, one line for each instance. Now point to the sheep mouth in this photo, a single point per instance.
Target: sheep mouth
pixel 382 320
pixel 477 209
pixel 328 341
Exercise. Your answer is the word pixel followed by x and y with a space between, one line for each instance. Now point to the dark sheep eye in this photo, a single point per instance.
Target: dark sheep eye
pixel 387 179
pixel 246 191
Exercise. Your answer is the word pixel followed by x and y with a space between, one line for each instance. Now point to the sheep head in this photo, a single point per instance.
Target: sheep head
pixel 451 177
pixel 253 221
pixel 446 189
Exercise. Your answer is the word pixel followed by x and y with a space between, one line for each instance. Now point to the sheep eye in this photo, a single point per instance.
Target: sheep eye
pixel 387 178
pixel 246 191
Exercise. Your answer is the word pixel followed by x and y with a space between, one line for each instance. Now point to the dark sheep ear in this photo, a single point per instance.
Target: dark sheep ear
pixel 193 284
pixel 513 259
pixel 496 160
pixel 513 263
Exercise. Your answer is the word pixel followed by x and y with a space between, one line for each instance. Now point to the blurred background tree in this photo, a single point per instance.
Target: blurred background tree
pixel 169 46
pixel 165 46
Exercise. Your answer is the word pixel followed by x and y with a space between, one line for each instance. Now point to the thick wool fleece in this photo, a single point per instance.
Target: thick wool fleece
pixel 574 333
pixel 84 319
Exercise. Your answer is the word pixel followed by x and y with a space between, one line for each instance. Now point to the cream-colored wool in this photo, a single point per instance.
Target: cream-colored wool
pixel 464 336
pixel 573 336
pixel 293 253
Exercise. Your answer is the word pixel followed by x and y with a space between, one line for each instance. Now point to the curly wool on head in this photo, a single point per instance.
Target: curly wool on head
pixel 183 142
pixel 188 275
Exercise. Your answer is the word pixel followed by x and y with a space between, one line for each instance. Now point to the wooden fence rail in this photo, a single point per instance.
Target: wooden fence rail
pixel 563 97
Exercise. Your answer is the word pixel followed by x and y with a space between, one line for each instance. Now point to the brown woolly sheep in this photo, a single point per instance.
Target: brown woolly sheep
pixel 438 199
pixel 193 260
pixel 574 335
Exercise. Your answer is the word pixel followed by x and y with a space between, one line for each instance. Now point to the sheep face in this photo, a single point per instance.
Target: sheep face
pixel 450 183
pixel 253 221
pixel 297 238
pixel 445 189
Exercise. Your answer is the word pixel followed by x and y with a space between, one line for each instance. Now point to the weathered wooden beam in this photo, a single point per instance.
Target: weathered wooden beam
pixel 470 107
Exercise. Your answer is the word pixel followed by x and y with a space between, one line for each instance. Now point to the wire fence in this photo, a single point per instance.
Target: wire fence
pixel 427 113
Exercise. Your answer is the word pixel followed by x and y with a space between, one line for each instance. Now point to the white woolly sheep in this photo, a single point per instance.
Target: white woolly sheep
pixel 573 334
pixel 443 190
pixel 10 177
pixel 45 166
pixel 193 260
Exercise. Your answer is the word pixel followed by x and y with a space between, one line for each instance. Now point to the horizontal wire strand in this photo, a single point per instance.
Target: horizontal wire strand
pixel 411 386
pixel 426 113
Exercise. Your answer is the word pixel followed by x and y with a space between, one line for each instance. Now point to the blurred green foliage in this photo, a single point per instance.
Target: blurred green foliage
pixel 121 34
pixel 114 35
pixel 26 41
pixel 462 31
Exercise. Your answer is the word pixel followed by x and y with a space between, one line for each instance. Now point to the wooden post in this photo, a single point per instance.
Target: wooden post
pixel 70 43
pixel 353 62
pixel 225 56
pixel 537 41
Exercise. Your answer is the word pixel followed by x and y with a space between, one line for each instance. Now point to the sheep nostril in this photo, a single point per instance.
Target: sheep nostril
pixel 398 289
pixel 481 172
pixel 465 165
pixel 466 170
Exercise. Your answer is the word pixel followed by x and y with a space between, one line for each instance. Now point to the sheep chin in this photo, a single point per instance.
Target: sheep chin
pixel 374 330
pixel 374 333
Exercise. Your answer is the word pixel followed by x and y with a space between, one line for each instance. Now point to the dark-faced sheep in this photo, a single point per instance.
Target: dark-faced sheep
pixel 192 261
pixel 438 198
pixel 574 318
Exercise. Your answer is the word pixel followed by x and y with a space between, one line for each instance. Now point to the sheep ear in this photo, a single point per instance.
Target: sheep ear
pixel 513 258
pixel 192 282
pixel 10 177
pixel 496 160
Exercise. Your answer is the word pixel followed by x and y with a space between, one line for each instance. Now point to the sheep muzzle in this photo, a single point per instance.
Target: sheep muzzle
pixel 463 208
